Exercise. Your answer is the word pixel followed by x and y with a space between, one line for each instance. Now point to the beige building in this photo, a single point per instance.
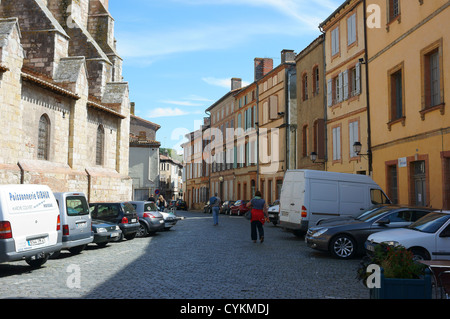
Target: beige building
pixel 409 87
pixel 277 114
pixel 64 108
pixel 311 106
pixel 222 146
pixel 346 116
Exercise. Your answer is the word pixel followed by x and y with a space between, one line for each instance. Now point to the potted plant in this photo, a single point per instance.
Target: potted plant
pixel 400 276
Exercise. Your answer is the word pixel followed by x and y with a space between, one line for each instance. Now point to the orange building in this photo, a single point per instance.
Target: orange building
pixel 346 116
pixel 409 46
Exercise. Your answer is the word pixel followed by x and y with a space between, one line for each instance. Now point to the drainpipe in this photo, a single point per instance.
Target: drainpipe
pixel 325 114
pixel 366 59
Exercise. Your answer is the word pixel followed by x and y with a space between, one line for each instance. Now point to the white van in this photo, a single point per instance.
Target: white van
pixel 29 224
pixel 308 196
pixel 76 222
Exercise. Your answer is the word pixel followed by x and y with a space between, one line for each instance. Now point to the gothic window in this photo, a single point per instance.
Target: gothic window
pixel 100 145
pixel 44 138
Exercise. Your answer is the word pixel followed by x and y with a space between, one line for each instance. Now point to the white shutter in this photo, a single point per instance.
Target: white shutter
pixel 345 77
pixel 358 79
pixel 329 92
pixel 340 88
pixel 354 136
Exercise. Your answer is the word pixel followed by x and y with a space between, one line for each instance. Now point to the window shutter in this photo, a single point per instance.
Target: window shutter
pixel 340 88
pixel 329 92
pixel 345 78
pixel 358 79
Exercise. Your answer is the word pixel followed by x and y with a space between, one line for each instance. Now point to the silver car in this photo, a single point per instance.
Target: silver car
pixel 150 218
pixel 75 221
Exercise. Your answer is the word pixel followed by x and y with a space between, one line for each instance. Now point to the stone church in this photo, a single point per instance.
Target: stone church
pixel 64 108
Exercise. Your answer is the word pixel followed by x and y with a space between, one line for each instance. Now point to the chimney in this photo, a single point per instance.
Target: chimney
pixel 262 67
pixel 236 83
pixel 287 56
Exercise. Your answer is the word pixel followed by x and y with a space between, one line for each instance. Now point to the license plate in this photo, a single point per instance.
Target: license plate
pixel 161 221
pixel 81 225
pixel 133 220
pixel 271 215
pixel 284 214
pixel 370 247
pixel 114 234
pixel 37 241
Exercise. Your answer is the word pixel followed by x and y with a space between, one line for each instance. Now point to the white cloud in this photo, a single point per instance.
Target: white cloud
pixel 181 103
pixel 169 112
pixel 225 82
pixel 154 44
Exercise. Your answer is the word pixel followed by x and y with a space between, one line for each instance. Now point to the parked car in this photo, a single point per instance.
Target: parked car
pixel 226 207
pixel 75 221
pixel 105 232
pixel 170 219
pixel 345 237
pixel 307 196
pixel 207 209
pixel 150 218
pixel 122 214
pixel 30 224
pixel 239 208
pixel 181 204
pixel 274 214
pixel 428 238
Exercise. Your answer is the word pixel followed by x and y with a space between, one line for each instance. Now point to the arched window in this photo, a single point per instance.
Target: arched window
pixel 100 145
pixel 44 138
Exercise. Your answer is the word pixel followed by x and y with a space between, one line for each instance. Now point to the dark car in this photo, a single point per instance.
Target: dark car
pixel 345 237
pixel 150 218
pixel 181 204
pixel 105 232
pixel 226 207
pixel 239 208
pixel 122 214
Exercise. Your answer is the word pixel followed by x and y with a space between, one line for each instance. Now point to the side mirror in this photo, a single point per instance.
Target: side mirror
pixel 383 222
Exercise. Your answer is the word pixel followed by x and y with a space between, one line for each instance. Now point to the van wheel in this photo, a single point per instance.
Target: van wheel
pixel 343 247
pixel 37 263
pixel 76 250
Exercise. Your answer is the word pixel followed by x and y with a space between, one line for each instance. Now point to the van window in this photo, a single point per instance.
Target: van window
pixel 76 206
pixel 378 197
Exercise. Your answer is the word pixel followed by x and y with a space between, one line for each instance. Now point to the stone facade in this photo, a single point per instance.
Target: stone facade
pixel 65 111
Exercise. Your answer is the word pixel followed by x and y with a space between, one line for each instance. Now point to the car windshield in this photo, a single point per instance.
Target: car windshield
pixel 372 213
pixel 430 223
pixel 150 207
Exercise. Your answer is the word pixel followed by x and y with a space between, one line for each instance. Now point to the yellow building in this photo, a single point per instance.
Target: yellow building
pixel 345 75
pixel 408 44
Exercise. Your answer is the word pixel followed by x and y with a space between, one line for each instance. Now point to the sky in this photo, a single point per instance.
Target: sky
pixel 180 55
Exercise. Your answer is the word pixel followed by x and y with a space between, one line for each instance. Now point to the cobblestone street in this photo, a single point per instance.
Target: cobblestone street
pixel 194 260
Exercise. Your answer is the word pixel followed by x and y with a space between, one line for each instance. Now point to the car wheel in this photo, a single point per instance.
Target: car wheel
pixel 420 254
pixel 142 231
pixel 343 247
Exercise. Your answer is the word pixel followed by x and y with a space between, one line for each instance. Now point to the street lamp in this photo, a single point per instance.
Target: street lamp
pixel 357 146
pixel 313 157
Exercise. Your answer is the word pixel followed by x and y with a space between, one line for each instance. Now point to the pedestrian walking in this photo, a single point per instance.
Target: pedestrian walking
pixel 258 208
pixel 214 202
pixel 161 203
